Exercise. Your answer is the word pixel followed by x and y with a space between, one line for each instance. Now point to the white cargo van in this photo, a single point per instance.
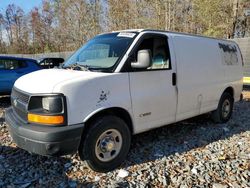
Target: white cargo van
pixel 119 84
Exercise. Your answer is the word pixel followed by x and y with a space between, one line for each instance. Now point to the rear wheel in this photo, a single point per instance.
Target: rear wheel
pixel 225 108
pixel 106 144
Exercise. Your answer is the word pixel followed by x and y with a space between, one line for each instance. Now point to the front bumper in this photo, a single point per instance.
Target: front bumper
pixel 44 140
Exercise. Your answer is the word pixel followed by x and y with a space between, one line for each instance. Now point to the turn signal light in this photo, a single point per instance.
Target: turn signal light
pixel 246 80
pixel 41 119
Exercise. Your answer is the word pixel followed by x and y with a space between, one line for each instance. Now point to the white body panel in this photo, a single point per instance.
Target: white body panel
pixel 83 96
pixel 149 97
pixel 82 90
pixel 202 75
pixel 154 99
pixel 44 81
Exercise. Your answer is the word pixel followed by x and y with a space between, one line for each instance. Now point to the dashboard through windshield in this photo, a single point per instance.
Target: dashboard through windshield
pixel 102 52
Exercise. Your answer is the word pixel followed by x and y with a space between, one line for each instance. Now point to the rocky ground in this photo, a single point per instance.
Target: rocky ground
pixel 193 153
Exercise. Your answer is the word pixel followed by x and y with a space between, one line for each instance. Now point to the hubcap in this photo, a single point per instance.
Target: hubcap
pixel 108 145
pixel 226 108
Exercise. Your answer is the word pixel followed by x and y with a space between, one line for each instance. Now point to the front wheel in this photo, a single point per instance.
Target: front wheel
pixel 106 144
pixel 225 108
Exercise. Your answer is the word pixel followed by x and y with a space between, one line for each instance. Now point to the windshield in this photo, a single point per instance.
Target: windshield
pixel 101 52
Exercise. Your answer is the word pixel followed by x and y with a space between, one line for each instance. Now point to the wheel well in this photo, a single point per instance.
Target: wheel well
pixel 229 90
pixel 116 111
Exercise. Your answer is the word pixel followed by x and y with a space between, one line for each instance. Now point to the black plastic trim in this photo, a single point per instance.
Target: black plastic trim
pixel 174 79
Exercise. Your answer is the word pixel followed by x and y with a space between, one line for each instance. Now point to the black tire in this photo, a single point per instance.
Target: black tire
pixel 220 115
pixel 102 126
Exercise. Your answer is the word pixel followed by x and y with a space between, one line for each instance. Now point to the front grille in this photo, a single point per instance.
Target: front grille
pixel 19 102
pixel 15 94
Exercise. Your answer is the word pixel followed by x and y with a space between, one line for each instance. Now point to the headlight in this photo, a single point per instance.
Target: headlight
pixel 47 109
pixel 52 104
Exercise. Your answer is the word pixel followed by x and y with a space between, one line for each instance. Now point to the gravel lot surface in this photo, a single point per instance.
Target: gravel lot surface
pixel 192 153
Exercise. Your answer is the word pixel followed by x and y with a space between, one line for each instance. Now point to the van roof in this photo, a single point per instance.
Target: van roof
pixel 170 32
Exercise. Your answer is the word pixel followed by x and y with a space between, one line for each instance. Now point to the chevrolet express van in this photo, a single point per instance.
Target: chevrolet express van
pixel 120 84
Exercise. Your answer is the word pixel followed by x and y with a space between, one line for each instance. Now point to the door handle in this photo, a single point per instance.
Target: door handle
pixel 174 79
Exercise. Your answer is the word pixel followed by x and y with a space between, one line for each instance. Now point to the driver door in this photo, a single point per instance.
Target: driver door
pixel 153 92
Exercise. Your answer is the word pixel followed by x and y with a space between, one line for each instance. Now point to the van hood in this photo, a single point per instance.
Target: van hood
pixel 44 81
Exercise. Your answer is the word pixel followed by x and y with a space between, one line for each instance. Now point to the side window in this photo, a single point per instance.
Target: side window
pixel 22 64
pixel 11 64
pixel 161 56
pixel 2 64
pixel 229 54
pixel 49 63
pixel 45 63
pixel 158 45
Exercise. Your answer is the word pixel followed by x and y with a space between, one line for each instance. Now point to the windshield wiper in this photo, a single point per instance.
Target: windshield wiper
pixel 77 66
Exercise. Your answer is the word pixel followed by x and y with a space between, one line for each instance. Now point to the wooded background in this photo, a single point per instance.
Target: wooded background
pixel 64 25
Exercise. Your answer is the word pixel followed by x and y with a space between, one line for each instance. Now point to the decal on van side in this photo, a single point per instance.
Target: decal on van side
pixel 229 53
pixel 103 96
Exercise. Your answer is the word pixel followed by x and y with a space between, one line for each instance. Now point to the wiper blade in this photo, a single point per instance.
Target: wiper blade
pixel 77 66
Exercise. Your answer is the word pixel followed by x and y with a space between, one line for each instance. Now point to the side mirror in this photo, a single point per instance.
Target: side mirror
pixel 144 59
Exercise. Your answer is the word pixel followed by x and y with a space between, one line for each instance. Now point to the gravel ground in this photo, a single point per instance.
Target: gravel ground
pixel 192 153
